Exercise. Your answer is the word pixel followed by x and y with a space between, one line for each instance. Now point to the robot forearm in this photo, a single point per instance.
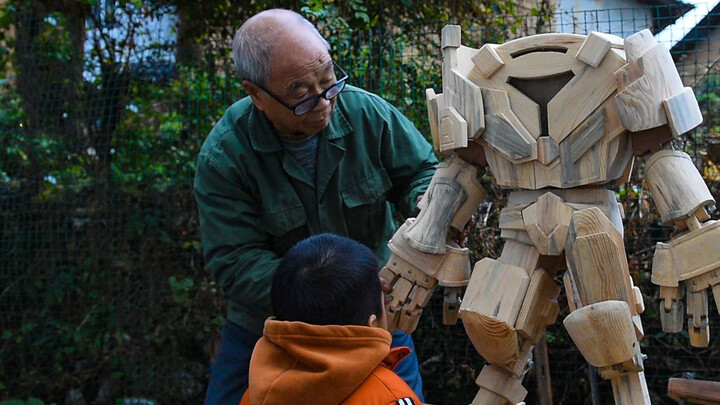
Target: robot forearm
pixel 421 255
pixel 690 261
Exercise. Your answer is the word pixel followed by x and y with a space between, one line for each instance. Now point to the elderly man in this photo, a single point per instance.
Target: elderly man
pixel 305 153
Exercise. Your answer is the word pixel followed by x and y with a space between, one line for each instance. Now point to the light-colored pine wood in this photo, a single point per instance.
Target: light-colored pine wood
pixel 631 389
pixel 547 223
pixel 511 218
pixel 433 117
pixel 490 308
pixel 695 391
pixel 452 130
pixel 548 176
pixel 452 198
pixel 497 381
pixel 585 92
pixel 508 174
pixel 637 44
pixel 487 60
pixel 506 138
pixel 603 332
pixel 587 134
pixel 504 131
pixel 540 307
pixel 690 255
pixel 672 310
pixel 697 311
pixel 596 46
pixel 677 187
pixel 466 98
pixel 548 150
pixel 640 102
pixel 571 293
pixel 597 259
pixel 450 36
pixel 682 111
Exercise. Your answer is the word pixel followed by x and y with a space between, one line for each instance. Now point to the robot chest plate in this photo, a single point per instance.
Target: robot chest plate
pixel 549 118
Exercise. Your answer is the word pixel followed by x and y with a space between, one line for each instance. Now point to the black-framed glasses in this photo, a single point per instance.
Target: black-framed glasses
pixel 309 103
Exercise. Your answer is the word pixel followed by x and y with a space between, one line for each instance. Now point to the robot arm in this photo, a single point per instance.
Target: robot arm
pixel 690 261
pixel 653 103
pixel 422 256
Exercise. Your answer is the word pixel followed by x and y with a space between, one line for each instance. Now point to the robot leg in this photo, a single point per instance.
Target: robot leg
pixel 605 323
pixel 505 310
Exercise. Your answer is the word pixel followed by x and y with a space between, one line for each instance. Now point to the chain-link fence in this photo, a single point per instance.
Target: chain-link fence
pixel 103 294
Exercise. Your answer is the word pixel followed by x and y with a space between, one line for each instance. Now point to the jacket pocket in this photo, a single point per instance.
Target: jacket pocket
pixel 286 227
pixel 367 213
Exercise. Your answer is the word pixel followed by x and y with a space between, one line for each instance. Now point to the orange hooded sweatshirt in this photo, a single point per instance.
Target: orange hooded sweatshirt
pixel 299 363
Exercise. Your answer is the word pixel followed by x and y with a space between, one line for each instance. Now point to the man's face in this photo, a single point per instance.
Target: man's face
pixel 296 74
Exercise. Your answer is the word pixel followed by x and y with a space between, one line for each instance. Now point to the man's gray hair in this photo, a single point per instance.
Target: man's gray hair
pixel 252 46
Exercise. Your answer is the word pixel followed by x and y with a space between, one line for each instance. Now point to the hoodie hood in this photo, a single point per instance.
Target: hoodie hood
pixel 296 361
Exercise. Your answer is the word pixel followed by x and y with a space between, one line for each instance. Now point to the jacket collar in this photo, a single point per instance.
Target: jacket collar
pixel 260 129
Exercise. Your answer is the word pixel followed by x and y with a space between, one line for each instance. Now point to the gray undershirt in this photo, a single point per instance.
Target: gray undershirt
pixel 305 152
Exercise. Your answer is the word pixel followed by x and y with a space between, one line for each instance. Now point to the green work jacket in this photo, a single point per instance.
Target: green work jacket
pixel 255 200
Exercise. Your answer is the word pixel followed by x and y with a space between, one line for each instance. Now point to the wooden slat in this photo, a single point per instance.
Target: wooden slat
pixel 487 60
pixel 696 391
pixel 596 46
pixel 583 94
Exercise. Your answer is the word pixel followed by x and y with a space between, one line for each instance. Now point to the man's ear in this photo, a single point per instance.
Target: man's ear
pixel 255 94
pixel 372 321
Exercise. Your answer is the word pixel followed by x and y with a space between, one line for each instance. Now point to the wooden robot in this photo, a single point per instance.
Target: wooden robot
pixel 558 119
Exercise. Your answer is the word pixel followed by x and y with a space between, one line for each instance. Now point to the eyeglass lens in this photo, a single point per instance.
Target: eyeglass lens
pixel 310 103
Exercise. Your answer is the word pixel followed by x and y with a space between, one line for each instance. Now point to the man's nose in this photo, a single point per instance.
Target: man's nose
pixel 322 104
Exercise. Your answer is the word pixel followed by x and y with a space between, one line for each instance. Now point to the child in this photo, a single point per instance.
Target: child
pixel 327 343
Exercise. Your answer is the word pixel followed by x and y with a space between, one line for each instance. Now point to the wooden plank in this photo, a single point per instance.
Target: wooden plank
pixel 542 372
pixel 682 111
pixel 571 42
pixel 596 46
pixel 433 116
pixel 490 308
pixel 548 150
pixel 631 389
pixel 640 103
pixel 467 100
pixel 696 391
pixel 637 44
pixel 677 187
pixel 495 380
pixel 603 332
pixel 504 131
pixel 450 36
pixel 587 135
pixel 697 311
pixel 547 223
pixel 540 64
pixel 487 60
pixel 540 307
pixel 583 94
pixel 520 254
pixel 505 138
pixel 511 218
pixel 508 174
pixel 452 130
pixel 596 255
pixel 548 176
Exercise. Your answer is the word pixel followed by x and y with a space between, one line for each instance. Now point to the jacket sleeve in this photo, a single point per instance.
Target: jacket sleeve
pixel 237 250
pixel 409 160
